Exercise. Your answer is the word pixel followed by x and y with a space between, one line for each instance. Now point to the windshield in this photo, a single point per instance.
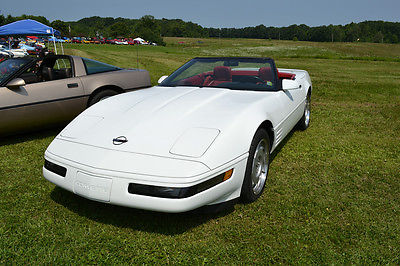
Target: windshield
pixel 232 73
pixel 10 66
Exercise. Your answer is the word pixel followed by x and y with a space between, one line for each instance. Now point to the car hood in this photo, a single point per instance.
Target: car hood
pixel 161 121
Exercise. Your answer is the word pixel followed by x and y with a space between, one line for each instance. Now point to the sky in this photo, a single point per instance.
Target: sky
pixel 216 13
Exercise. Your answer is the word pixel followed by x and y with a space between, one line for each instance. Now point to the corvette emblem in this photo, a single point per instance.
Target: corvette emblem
pixel 120 140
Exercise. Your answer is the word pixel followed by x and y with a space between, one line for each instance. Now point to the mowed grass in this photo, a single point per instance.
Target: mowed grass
pixel 332 196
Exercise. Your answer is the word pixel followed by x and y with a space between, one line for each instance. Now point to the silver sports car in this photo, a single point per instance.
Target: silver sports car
pixel 41 92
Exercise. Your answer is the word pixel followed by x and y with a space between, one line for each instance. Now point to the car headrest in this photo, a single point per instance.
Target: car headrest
pixel 47 73
pixel 222 73
pixel 265 73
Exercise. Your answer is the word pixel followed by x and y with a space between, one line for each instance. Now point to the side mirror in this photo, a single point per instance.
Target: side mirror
pixel 162 79
pixel 16 83
pixel 288 84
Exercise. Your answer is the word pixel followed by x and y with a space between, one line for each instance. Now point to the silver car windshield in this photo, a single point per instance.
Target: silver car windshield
pixel 10 66
pixel 226 72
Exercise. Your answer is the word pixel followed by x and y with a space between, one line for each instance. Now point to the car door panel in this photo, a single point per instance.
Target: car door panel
pixel 291 111
pixel 37 104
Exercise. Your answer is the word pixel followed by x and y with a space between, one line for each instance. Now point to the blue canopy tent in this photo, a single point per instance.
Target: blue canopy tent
pixel 28 27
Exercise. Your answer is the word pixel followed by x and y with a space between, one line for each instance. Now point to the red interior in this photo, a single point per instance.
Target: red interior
pixel 284 75
pixel 223 74
pixel 265 73
pixel 220 75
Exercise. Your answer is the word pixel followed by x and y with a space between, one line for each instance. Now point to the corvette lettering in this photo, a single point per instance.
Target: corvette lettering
pixel 91 187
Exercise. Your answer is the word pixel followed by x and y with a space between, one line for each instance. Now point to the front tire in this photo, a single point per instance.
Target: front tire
pixel 257 167
pixel 102 95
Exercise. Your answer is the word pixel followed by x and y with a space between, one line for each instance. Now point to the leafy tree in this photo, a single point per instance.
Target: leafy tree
pixel 40 19
pixel 119 29
pixel 152 29
pixel 378 37
pixel 2 19
pixel 149 29
pixel 60 26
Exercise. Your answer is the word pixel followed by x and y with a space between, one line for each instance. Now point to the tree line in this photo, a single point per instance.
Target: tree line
pixel 153 30
pixel 367 31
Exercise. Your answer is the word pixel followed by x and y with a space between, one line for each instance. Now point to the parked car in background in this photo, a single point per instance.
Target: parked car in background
pixel 121 42
pixel 89 40
pixel 76 40
pixel 97 41
pixel 110 41
pixel 5 52
pixel 55 39
pixel 14 52
pixel 35 94
pixel 32 50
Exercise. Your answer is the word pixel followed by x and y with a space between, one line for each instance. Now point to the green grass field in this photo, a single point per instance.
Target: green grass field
pixel 332 196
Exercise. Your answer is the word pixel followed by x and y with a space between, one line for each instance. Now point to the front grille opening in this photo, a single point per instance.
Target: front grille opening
pixel 55 168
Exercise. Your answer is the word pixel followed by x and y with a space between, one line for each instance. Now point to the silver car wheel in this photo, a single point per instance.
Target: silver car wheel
pixel 260 166
pixel 307 111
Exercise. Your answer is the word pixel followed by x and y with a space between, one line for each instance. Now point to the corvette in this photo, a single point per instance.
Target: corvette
pixel 203 136
pixel 36 93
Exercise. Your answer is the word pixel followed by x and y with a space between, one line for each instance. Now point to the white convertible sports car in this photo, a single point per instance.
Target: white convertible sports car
pixel 203 136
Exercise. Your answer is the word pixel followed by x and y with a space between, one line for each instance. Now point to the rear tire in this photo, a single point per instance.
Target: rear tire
pixel 304 122
pixel 257 167
pixel 102 95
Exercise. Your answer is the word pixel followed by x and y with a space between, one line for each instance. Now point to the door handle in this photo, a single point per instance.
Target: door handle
pixel 72 85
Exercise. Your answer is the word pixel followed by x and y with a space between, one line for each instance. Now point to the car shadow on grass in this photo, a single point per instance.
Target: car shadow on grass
pixel 124 217
pixel 29 136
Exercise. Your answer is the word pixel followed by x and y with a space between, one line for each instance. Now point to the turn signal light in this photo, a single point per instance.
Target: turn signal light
pixel 228 174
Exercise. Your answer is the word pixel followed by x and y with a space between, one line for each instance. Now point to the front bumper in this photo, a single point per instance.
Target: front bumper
pixel 113 186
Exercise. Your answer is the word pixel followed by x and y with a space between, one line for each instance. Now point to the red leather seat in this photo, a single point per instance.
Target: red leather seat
pixel 221 74
pixel 265 73
pixel 197 80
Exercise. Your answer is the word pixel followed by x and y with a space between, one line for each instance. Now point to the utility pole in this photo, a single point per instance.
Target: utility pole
pixel 137 56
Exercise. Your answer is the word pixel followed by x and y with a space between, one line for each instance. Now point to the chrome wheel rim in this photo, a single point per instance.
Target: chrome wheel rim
pixel 260 166
pixel 307 111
